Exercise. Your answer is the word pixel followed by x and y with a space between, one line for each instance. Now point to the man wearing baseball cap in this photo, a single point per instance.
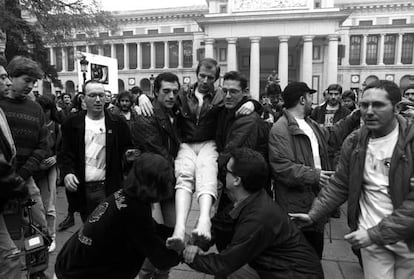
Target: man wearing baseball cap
pixel 298 154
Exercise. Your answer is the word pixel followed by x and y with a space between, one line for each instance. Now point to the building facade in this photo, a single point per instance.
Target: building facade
pixel 350 42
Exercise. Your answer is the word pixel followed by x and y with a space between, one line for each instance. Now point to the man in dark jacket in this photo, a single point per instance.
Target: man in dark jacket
pixel 375 175
pixel 332 110
pixel 298 155
pixel 158 134
pixel 263 236
pixel 93 146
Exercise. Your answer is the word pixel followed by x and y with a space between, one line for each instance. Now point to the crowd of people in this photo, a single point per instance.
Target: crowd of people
pixel 267 175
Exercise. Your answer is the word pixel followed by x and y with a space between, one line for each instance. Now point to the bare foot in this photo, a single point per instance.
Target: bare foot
pixel 201 235
pixel 176 244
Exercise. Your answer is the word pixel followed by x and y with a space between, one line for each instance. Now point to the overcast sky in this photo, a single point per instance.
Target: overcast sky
pixel 122 5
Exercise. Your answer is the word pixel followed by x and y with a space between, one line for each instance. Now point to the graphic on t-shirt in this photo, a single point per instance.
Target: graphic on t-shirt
pixel 329 118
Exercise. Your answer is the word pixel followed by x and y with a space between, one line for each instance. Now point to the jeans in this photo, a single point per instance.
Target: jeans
pixel 10 268
pixel 196 168
pixel 393 261
pixel 47 186
pixel 38 210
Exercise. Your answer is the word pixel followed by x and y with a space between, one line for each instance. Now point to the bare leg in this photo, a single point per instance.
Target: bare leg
pixel 183 200
pixel 202 232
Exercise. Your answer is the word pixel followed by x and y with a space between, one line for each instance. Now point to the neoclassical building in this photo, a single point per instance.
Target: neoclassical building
pixel 350 42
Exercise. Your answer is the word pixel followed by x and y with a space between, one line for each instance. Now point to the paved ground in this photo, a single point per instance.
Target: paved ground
pixel 338 259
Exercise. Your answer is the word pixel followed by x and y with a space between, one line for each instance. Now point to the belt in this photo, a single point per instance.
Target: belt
pixel 95 185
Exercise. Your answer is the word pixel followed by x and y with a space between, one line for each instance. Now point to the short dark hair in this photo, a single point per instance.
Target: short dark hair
pixel 209 63
pixel 411 86
pixel 77 101
pixel 151 178
pixel 3 61
pixel 65 94
pixel 48 104
pixel 336 87
pixel 91 81
pixel 273 89
pixel 166 76
pixel 251 167
pixel 234 75
pixel 392 89
pixel 136 90
pixel 349 94
pixel 124 94
pixel 21 65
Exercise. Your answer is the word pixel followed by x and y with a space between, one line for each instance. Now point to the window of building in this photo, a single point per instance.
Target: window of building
pixel 119 51
pixel 179 30
pixel 389 49
pixel 107 50
pixel 128 33
pixel 399 21
pixel 317 5
pixel 81 36
pixel 104 34
pixel 146 55
pixel 94 49
pixel 173 54
pixel 159 55
pixel 407 49
pixel 152 31
pixel 316 53
pixel 188 54
pixel 355 50
pixel 372 49
pixel 222 54
pixel 81 48
pixel 223 9
pixel 71 58
pixel 365 23
pixel 58 59
pixel 132 51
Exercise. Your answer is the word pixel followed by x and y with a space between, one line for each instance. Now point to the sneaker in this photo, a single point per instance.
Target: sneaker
pixel 52 246
pixel 67 223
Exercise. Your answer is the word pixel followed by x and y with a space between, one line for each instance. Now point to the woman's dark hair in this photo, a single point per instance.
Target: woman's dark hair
pixel 48 104
pixel 77 101
pixel 348 94
pixel 124 94
pixel 151 178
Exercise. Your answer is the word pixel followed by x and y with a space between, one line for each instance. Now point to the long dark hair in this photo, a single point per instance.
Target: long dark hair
pixel 151 178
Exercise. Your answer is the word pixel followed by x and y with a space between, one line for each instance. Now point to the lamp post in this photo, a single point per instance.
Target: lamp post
pixel 152 85
pixel 84 67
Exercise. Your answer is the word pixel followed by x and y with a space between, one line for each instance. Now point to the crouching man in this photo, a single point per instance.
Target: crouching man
pixel 263 237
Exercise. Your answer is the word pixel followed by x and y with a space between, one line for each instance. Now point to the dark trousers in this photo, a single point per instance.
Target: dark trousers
pixel 315 239
pixel 95 194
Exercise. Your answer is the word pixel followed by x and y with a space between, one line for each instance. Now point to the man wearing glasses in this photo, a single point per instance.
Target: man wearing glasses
pixel 93 145
pixel 262 235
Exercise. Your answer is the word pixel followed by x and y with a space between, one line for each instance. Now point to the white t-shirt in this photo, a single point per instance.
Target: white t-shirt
pixel 304 126
pixel 95 149
pixel 329 115
pixel 375 201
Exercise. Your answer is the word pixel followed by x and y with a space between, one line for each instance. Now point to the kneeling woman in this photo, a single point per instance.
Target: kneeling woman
pixel 120 233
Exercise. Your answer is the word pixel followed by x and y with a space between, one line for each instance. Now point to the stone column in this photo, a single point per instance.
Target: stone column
pixel 307 59
pixel 231 54
pixel 381 49
pixel 52 56
pixel 113 50
pixel 139 56
pixel 152 50
pixel 333 59
pixel 399 48
pixel 100 50
pixel 64 59
pixel 166 55
pixel 126 58
pixel 255 67
pixel 195 62
pixel 364 50
pixel 283 68
pixel 209 48
pixel 180 54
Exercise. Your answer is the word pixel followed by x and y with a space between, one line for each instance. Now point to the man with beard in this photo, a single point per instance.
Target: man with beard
pixel 125 109
pixel 298 155
pixel 332 111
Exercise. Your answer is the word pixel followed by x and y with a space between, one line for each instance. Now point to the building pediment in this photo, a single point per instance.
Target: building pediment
pixel 260 5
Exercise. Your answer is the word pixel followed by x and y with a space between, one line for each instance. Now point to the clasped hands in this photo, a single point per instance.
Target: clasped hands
pixel 188 251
